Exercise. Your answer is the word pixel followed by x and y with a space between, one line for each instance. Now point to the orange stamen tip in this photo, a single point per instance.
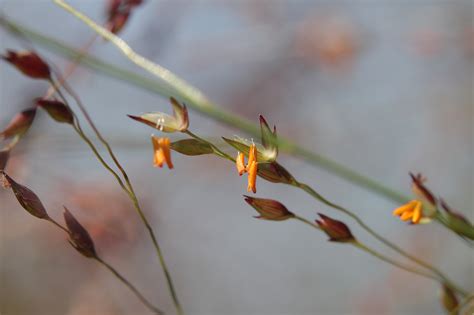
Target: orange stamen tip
pixel 252 177
pixel 240 163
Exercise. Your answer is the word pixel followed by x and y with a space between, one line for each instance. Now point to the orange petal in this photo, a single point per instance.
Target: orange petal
pixel 405 207
pixel 158 158
pixel 406 215
pixel 165 148
pixel 252 177
pixel 252 155
pixel 157 152
pixel 417 213
pixel 240 163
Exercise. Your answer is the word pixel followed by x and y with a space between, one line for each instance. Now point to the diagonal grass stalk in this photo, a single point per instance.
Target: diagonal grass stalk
pixel 206 108
pixel 128 188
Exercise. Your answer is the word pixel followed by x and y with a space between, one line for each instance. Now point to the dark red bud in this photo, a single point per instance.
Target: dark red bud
pixel 27 198
pixel 78 236
pixel 57 110
pixel 449 300
pixel 336 230
pixel 29 63
pixel 275 173
pixel 118 21
pixel 269 209
pixel 19 124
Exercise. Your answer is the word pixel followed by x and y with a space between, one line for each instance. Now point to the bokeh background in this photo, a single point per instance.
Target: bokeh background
pixel 384 87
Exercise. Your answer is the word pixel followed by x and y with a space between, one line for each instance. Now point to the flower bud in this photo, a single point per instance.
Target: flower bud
pixel 57 110
pixel 118 12
pixel 79 238
pixel 19 124
pixel 27 198
pixel 191 147
pixel 336 230
pixel 29 63
pixel 449 300
pixel 275 173
pixel 269 209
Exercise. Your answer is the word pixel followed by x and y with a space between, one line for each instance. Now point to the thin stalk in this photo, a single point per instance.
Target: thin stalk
pixel 461 305
pixel 216 150
pixel 384 258
pixel 368 229
pixel 127 283
pixel 128 189
pixel 83 136
pixel 132 288
pixel 58 225
pixel 376 254
pixel 306 221
pixel 159 253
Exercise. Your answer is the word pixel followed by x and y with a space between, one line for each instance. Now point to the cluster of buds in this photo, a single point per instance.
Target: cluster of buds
pixel 78 235
pixel 32 65
pixel 118 13
pixel 273 210
pixel 262 155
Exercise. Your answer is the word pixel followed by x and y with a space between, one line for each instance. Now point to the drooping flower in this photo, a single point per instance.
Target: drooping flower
pixel 412 210
pixel 164 122
pixel 161 152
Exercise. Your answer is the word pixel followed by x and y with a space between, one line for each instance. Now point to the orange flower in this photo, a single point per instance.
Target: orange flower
pixel 251 167
pixel 412 210
pixel 161 152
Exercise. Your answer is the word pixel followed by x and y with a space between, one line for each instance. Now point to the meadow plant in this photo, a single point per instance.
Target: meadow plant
pixel 253 160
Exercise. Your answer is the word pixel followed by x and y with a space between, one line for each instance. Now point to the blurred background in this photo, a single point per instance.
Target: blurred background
pixel 384 87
